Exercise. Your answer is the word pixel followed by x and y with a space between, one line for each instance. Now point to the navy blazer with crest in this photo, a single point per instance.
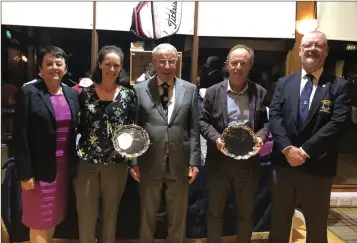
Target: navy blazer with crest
pixel 328 115
pixel 34 131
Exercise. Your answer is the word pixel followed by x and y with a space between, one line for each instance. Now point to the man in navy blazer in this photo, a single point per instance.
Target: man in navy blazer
pixel 307 115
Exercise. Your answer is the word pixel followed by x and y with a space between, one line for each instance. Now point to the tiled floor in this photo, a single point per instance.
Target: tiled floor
pixel 343 223
pixel 299 233
pixel 298 236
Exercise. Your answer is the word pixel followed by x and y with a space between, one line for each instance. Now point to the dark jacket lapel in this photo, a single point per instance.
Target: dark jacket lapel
pixel 71 102
pixel 45 96
pixel 179 94
pixel 223 100
pixel 153 92
pixel 295 96
pixel 324 84
pixel 252 95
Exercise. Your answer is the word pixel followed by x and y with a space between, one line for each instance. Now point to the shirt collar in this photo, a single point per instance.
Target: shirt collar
pixel 229 89
pixel 160 82
pixel 317 73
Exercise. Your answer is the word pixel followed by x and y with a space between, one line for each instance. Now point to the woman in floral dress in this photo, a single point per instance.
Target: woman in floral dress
pixel 102 171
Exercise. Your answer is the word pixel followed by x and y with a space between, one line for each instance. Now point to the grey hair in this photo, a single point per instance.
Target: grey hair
pixel 319 33
pixel 241 46
pixel 164 46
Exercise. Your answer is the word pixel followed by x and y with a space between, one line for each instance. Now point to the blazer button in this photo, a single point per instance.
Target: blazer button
pixel 169 126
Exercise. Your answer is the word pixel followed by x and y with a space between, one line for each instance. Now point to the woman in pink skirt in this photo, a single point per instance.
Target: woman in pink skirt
pixel 44 145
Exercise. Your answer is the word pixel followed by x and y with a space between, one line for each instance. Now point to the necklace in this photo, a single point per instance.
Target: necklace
pixel 108 90
pixel 108 93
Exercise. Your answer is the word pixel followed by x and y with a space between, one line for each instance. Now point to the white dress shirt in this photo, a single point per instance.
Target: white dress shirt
pixel 315 82
pixel 171 102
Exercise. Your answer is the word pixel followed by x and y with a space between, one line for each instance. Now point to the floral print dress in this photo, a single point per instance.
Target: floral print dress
pixel 99 119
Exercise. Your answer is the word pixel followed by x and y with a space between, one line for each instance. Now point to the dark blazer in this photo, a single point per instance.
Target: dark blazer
pixel 328 115
pixel 34 131
pixel 179 138
pixel 214 115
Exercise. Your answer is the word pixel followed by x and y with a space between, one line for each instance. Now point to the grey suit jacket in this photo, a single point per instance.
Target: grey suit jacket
pixel 214 117
pixel 177 139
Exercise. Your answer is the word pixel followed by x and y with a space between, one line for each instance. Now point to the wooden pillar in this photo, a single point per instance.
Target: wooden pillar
pixel 94 49
pixel 194 56
pixel 304 10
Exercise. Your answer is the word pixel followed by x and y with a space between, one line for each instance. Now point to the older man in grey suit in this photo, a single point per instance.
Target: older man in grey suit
pixel 168 111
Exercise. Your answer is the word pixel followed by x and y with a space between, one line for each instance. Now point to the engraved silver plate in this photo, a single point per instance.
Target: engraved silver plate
pixel 131 140
pixel 239 142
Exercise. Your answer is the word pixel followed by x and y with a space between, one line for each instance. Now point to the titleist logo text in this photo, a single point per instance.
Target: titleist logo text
pixel 172 15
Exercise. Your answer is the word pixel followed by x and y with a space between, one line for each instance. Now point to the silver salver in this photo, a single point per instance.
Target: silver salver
pixel 239 142
pixel 130 140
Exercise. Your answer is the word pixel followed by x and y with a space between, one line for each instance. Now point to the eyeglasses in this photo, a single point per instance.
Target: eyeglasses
pixel 171 62
pixel 317 46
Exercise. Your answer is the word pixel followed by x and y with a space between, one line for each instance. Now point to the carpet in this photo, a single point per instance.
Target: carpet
pixel 343 223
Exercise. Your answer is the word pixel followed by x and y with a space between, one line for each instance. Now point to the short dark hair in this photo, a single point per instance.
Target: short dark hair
pixel 96 72
pixel 54 50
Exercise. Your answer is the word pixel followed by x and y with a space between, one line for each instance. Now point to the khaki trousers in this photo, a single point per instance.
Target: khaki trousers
pixel 94 182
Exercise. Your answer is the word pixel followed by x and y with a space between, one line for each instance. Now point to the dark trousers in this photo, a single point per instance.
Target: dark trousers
pixel 291 186
pixel 176 197
pixel 95 181
pixel 244 177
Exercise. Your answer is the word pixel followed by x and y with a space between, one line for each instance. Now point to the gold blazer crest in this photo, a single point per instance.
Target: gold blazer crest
pixel 326 106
